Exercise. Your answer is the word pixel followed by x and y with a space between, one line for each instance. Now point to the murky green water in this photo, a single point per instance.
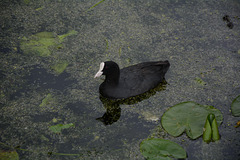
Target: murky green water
pixel 57 87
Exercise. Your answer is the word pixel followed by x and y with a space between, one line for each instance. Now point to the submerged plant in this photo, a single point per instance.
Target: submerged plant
pixel 9 155
pixel 57 128
pixel 155 148
pixel 60 67
pixel 46 100
pixel 41 43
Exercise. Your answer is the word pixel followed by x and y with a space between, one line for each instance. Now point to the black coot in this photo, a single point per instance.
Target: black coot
pixel 132 80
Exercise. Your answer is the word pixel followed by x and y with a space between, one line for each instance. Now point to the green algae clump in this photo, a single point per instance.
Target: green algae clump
pixel 200 81
pixel 60 67
pixel 9 155
pixel 72 32
pixel 57 128
pixel 46 100
pixel 42 43
pixel 38 44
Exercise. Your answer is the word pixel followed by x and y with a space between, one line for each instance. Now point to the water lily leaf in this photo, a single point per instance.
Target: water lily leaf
pixel 8 155
pixel 155 148
pixel 235 107
pixel 188 117
pixel 57 128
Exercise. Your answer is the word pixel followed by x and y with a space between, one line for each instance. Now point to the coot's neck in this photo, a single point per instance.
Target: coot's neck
pixel 113 78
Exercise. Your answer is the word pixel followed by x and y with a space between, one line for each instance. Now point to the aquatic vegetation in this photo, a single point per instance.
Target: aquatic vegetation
pixel 42 43
pixel 38 44
pixel 26 1
pixel 211 129
pixel 188 117
pixel 57 128
pixel 95 5
pixel 72 32
pixel 60 67
pixel 153 30
pixel 235 106
pixel 155 148
pixel 46 100
pixel 200 81
pixel 9 155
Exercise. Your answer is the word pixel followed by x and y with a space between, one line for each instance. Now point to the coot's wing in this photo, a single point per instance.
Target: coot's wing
pixel 139 78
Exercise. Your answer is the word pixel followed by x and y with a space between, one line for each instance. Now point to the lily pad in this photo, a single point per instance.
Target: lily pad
pixel 188 117
pixel 57 128
pixel 235 107
pixel 155 148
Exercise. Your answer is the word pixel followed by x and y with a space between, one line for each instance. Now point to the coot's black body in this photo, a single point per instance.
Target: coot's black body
pixel 130 81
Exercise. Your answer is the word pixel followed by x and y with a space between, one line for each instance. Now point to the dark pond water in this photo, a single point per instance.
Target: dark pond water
pixel 51 49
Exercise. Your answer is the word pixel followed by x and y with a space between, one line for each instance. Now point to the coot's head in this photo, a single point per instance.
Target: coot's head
pixel 110 69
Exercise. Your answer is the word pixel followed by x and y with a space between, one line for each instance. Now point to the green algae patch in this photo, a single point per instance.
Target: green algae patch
pixel 57 128
pixel 72 32
pixel 38 44
pixel 26 1
pixel 43 43
pixel 9 155
pixel 46 100
pixel 200 81
pixel 60 67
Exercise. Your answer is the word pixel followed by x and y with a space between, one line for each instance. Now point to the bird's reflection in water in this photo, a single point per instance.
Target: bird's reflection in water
pixel 113 110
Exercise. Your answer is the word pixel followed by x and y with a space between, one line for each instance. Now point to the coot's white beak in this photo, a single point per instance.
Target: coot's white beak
pixel 100 72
